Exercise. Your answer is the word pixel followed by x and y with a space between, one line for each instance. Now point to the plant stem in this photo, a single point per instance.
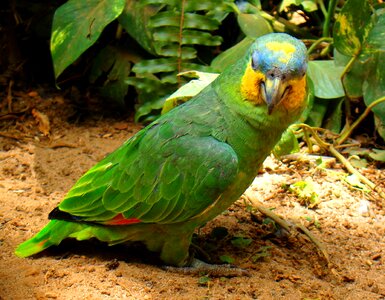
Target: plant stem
pixel 329 16
pixel 353 171
pixel 347 102
pixel 331 149
pixel 368 109
pixel 181 23
pixel 317 42
pixel 322 7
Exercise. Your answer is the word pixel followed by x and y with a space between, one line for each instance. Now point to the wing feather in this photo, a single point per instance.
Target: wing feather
pixel 160 175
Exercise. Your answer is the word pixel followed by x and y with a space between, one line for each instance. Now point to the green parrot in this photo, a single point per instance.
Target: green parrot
pixel 189 165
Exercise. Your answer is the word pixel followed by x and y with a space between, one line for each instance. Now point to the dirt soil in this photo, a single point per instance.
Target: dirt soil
pixel 43 154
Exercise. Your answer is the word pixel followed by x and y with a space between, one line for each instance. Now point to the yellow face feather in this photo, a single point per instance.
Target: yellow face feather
pixel 250 85
pixel 296 97
pixel 274 76
pixel 250 88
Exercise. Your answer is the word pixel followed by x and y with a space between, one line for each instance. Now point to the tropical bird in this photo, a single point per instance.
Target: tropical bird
pixel 189 165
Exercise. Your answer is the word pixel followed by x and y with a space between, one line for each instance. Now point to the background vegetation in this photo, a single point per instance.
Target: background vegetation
pixel 131 51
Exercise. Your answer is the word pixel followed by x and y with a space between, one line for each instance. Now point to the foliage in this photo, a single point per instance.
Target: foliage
pixel 147 43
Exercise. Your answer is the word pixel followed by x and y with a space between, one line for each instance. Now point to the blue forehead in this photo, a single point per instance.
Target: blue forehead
pixel 279 51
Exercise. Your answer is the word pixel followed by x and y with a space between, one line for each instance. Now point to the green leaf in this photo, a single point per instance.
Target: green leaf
pixel 241 242
pixel 317 113
pixel 253 25
pixel 354 79
pixel 355 182
pixel 380 126
pixel 352 27
pixel 155 66
pixel 374 87
pixel 309 5
pixel 117 66
pixel 145 113
pixel 189 37
pixel 189 90
pixel 376 37
pixel 333 122
pixel 76 26
pixel 226 259
pixel 378 155
pixel 204 280
pixel 287 144
pixel 174 50
pixel 190 20
pixel 262 253
pixel 287 3
pixel 305 191
pixel 135 18
pixel 326 78
pixel 231 55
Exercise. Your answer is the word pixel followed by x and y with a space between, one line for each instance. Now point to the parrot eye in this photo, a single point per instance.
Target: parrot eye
pixel 253 64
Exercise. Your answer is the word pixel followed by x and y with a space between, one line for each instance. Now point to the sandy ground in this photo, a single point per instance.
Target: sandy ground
pixel 36 171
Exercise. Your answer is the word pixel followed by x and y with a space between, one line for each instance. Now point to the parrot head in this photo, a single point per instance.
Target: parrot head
pixel 275 72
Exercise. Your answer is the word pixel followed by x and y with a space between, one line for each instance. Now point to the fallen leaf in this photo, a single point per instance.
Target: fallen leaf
pixel 33 94
pixel 121 126
pixel 43 121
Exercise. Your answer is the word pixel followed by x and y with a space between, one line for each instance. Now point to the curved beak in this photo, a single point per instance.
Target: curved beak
pixel 272 92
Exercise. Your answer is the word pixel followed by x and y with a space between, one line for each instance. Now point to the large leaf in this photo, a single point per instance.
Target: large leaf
pixel 253 25
pixel 231 55
pixel 326 77
pixel 135 18
pixel 376 37
pixel 287 144
pixel 354 79
pixel 318 112
pixel 308 5
pixel 77 25
pixel 333 121
pixel 189 90
pixel 374 85
pixel 374 88
pixel 117 65
pixel 352 27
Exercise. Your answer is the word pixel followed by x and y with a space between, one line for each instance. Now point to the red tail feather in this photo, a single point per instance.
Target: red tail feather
pixel 121 220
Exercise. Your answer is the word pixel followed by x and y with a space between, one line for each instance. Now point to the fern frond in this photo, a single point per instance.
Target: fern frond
pixel 171 30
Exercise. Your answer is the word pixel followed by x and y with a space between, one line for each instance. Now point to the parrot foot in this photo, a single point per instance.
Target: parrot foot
pixel 198 267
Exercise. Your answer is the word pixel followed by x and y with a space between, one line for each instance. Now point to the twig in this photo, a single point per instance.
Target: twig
pixel 331 149
pixel 9 97
pixel 344 136
pixel 286 225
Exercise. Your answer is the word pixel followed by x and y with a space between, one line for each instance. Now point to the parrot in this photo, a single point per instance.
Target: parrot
pixel 190 164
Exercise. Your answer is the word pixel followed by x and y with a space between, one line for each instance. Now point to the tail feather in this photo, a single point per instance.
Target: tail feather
pixel 52 234
pixel 57 230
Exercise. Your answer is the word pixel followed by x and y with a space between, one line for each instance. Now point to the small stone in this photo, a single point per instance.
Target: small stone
pixel 364 208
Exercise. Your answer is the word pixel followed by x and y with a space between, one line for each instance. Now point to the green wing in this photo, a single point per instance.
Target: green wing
pixel 161 175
